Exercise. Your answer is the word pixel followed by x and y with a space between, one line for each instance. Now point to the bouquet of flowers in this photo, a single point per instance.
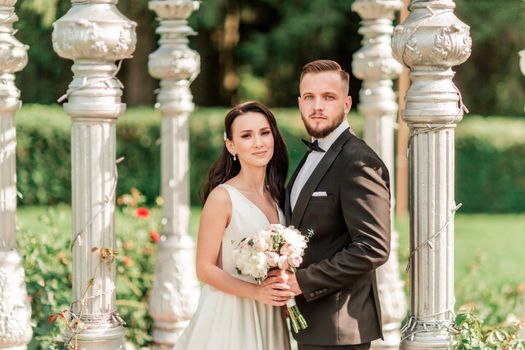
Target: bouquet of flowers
pixel 277 247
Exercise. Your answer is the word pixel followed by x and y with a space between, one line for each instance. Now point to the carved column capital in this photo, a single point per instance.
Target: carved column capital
pixel 174 62
pixel 94 35
pixel 432 36
pixel 13 58
pixel 430 41
pixel 173 9
pixel 374 63
pixel 374 9
pixel 94 31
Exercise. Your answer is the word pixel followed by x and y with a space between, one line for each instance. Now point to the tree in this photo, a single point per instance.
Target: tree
pixel 254 49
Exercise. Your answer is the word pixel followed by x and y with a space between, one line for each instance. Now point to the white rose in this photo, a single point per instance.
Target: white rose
pixel 273 258
pixel 260 244
pixel 283 262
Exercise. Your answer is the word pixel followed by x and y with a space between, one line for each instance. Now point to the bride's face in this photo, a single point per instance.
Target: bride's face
pixel 252 139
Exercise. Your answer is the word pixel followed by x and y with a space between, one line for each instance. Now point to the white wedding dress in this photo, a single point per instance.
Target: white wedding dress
pixel 227 322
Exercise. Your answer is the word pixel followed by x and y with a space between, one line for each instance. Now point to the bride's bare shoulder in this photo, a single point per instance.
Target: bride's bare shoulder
pixel 217 208
pixel 218 198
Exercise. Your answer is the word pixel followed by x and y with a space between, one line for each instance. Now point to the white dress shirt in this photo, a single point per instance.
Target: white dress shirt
pixel 313 160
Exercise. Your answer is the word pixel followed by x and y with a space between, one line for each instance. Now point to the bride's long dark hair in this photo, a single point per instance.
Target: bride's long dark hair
pixel 224 168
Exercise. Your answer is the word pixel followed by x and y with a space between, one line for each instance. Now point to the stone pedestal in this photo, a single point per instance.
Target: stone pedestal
pixel 94 34
pixel 15 310
pixel 374 64
pixel 430 41
pixel 175 292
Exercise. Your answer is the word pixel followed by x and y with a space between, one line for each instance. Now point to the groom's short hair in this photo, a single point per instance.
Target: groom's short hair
pixel 320 66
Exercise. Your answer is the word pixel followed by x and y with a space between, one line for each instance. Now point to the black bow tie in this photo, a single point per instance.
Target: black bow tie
pixel 313 146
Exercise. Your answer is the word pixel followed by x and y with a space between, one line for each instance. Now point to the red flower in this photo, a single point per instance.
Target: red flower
pixel 127 261
pixel 154 237
pixel 142 213
pixel 51 319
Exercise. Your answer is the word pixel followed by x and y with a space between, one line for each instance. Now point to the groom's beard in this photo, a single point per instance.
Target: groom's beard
pixel 322 133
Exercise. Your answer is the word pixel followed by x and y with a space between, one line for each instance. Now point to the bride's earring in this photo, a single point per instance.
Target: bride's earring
pixel 234 157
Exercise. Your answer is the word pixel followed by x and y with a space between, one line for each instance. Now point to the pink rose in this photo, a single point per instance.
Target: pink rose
pixel 295 260
pixel 286 249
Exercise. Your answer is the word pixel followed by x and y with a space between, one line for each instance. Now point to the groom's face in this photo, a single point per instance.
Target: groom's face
pixel 323 102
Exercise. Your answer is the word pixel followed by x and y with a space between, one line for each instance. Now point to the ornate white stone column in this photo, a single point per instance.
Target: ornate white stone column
pixel 374 64
pixel 430 41
pixel 176 289
pixel 94 34
pixel 15 309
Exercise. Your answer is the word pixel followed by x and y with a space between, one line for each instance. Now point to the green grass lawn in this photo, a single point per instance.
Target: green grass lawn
pixel 488 248
pixel 489 245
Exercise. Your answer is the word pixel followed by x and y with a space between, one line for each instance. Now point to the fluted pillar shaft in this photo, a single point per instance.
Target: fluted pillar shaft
pixel 375 65
pixel 15 310
pixel 94 34
pixel 176 289
pixel 430 41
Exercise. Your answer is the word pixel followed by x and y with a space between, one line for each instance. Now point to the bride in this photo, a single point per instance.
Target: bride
pixel 244 186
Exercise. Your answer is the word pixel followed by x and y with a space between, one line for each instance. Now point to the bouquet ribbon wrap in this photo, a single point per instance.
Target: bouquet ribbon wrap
pixel 296 319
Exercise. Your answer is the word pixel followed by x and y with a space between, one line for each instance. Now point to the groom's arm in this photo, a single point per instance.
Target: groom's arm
pixel 365 202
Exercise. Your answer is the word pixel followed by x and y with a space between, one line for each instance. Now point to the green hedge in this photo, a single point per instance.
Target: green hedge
pixel 490 155
pixel 490 165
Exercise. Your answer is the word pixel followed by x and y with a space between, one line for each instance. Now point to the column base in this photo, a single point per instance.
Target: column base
pixel 15 310
pixel 104 337
pixel 166 334
pixel 175 293
pixel 429 340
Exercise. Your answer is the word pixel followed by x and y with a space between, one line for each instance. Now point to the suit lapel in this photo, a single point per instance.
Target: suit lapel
pixel 317 175
pixel 287 204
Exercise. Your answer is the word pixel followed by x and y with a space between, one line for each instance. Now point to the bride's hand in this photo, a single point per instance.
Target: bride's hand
pixel 287 277
pixel 273 292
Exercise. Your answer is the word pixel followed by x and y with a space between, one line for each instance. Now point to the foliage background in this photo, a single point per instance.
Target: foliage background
pixel 490 171
pixel 254 49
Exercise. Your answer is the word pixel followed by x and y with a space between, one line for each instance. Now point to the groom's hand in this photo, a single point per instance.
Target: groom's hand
pixel 287 277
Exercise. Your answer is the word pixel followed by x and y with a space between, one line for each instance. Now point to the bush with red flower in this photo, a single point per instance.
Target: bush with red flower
pixel 48 263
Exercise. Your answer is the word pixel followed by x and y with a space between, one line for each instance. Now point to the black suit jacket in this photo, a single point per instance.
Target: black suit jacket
pixel 351 239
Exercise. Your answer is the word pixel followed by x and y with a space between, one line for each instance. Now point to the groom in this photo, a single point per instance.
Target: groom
pixel 340 191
